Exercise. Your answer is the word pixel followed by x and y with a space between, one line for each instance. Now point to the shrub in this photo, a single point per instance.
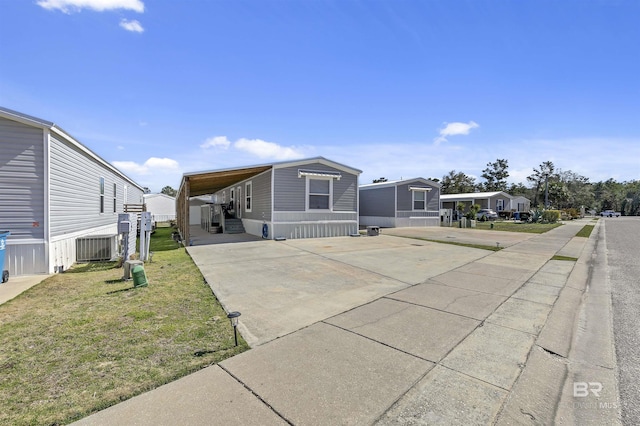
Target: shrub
pixel 551 216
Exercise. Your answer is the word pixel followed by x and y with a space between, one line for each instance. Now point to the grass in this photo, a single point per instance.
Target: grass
pixel 84 340
pixel 534 228
pixel 585 231
pixel 567 258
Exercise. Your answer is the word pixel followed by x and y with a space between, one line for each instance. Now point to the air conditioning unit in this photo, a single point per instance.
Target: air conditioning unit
pixel 96 248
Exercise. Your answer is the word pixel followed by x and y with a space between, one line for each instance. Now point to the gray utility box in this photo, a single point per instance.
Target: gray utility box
pixel 373 231
pixel 128 267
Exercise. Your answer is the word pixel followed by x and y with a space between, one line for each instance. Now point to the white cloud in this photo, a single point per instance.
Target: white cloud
pixel 134 26
pixel 68 6
pixel 456 128
pixel 152 165
pixel 216 141
pixel 264 149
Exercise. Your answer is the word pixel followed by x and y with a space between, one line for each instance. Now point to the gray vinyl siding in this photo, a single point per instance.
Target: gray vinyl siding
pixel 433 199
pixel 405 200
pixel 22 180
pixel 290 190
pixel 260 199
pixel 75 191
pixel 377 202
pixel 345 193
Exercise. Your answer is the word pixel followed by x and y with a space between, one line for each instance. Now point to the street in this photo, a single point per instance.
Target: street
pixel 622 236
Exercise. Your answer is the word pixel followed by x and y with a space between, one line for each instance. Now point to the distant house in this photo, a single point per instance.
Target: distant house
pixel 498 200
pixel 308 198
pixel 53 192
pixel 400 203
pixel 161 206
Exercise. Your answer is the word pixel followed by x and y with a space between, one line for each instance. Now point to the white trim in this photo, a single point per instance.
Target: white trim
pixel 319 173
pixel 248 196
pixel 419 188
pixel 308 194
pixel 47 196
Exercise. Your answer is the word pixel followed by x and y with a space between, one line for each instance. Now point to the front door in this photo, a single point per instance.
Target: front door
pixel 239 202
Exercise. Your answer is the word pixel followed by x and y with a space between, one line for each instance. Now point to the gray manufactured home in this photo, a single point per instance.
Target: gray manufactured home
pixel 307 198
pixel 400 203
pixel 53 192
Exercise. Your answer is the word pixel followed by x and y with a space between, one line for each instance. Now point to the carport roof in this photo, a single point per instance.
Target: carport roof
pixel 213 181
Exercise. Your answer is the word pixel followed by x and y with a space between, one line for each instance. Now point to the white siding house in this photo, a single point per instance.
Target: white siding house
pixel 53 190
pixel 497 200
pixel 161 206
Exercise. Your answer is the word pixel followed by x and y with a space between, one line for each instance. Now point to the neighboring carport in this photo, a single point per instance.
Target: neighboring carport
pixel 203 183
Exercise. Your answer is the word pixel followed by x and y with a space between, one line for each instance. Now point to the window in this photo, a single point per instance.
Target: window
pixel 115 205
pixel 247 196
pixel 101 195
pixel 319 194
pixel 232 196
pixel 419 200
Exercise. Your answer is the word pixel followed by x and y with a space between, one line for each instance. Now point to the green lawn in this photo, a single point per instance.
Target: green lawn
pixel 84 340
pixel 585 231
pixel 535 228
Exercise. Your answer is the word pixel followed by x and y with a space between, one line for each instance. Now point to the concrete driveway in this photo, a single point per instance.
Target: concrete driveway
pixel 284 286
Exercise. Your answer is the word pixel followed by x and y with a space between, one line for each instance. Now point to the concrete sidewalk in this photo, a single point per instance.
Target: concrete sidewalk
pixel 482 340
pixel 18 285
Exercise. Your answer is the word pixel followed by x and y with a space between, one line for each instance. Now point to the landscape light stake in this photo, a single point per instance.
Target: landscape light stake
pixel 233 317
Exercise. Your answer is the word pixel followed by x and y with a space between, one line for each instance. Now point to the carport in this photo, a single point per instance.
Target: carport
pixel 209 182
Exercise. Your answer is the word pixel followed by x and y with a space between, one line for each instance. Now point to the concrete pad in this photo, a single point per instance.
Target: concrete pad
pixel 534 398
pixel 521 315
pixel 210 395
pixel 557 334
pixel 447 397
pixel 550 279
pixel 540 247
pixel 17 285
pixel 420 331
pixel 562 267
pixel 500 286
pixel 241 252
pixel 351 244
pixel 458 235
pixel 325 375
pixel 574 247
pixel 531 262
pixel 459 301
pixel 493 354
pixel 279 296
pixel 538 293
pixel 497 271
pixel 412 264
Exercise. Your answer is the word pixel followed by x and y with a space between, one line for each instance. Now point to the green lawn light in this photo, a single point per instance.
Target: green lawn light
pixel 233 317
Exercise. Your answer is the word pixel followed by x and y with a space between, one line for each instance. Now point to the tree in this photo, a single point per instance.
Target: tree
pixel 379 180
pixel 457 183
pixel 146 190
pixel 495 175
pixel 167 190
pixel 539 178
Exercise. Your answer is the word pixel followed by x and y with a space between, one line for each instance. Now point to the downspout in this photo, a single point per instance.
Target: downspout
pixel 46 148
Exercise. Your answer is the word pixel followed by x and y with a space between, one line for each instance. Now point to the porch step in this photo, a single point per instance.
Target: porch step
pixel 233 226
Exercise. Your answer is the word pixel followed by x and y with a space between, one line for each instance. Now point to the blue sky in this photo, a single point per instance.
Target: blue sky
pixel 398 88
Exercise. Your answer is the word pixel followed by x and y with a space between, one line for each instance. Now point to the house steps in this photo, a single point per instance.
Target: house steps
pixel 233 226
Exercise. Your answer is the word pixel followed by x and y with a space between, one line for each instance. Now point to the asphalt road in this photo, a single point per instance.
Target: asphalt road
pixel 623 238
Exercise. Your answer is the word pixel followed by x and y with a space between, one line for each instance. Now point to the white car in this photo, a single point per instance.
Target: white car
pixel 609 213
